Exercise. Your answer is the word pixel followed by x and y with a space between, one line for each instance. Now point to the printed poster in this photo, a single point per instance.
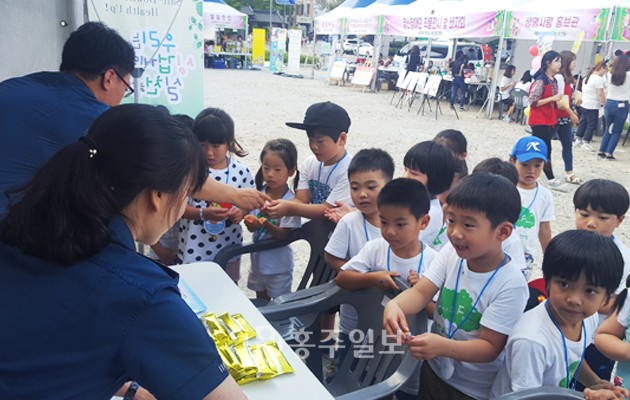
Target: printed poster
pixel 621 27
pixel 167 37
pixel 258 47
pixel 295 48
pixel 277 49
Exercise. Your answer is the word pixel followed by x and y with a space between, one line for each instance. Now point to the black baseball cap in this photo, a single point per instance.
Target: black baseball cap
pixel 324 115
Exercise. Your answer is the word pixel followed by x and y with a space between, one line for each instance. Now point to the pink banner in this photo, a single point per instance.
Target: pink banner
pixel 562 25
pixel 470 25
pixel 328 27
pixel 362 25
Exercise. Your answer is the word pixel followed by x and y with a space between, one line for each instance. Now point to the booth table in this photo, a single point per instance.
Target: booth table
pixel 219 294
pixel 231 59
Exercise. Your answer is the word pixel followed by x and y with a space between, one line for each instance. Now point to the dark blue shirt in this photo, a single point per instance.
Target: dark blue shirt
pixel 80 332
pixel 39 114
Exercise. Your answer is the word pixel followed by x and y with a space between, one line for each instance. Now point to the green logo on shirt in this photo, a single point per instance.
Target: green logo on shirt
pixel 572 369
pixel 527 220
pixel 463 306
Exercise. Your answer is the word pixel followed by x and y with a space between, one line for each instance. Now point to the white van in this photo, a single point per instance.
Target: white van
pixel 441 51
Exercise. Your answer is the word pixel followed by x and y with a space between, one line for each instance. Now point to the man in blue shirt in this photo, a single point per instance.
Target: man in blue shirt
pixel 45 111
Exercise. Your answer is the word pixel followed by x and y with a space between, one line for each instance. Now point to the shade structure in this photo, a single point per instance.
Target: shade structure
pixel 217 14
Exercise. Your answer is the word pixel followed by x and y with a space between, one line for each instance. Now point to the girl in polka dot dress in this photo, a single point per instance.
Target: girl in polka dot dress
pixel 208 227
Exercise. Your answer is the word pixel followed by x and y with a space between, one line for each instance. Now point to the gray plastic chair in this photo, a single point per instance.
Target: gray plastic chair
pixel 543 393
pixel 357 378
pixel 519 96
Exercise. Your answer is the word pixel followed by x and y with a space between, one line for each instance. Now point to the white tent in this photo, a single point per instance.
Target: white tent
pixel 217 14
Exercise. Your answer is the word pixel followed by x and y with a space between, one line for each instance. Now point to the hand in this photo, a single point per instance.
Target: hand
pixel 394 320
pixel 558 97
pixel 236 215
pixel 250 199
pixel 602 384
pixel 215 213
pixel 575 120
pixel 251 222
pixel 336 213
pixel 143 394
pixel 617 393
pixel 426 346
pixel 276 208
pixel 413 277
pixel 384 280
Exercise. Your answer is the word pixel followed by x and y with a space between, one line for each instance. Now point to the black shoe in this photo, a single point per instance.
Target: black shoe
pixel 461 108
pixel 452 107
pixel 610 157
pixel 601 155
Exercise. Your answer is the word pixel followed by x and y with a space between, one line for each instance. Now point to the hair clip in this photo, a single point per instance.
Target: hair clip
pixel 91 145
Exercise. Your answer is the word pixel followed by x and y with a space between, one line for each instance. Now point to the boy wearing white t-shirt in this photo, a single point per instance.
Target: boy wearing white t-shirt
pixel 529 156
pixel 323 176
pixel 482 293
pixel 548 344
pixel 403 206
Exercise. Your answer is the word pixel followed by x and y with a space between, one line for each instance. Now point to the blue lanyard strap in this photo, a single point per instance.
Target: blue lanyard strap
pixel 566 351
pixel 227 177
pixel 367 237
pixel 452 332
pixel 526 209
pixel 389 250
pixel 318 199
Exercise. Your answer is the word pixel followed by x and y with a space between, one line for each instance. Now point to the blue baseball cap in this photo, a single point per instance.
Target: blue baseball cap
pixel 528 148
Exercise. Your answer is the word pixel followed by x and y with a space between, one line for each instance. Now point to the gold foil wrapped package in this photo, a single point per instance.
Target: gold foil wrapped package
pixel 237 331
pixel 267 369
pixel 274 354
pixel 250 370
pixel 231 361
pixel 217 330
pixel 251 333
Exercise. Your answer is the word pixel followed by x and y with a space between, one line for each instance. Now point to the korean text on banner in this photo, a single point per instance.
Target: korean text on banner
pixel 562 25
pixel 470 25
pixel 172 59
pixel 258 47
pixel 295 47
pixel 277 49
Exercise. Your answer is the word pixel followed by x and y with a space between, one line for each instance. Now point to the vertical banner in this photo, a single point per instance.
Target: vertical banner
pixel 578 42
pixel 277 49
pixel 258 47
pixel 295 47
pixel 167 37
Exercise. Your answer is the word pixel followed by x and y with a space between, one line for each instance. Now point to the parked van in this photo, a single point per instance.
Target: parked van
pixel 441 52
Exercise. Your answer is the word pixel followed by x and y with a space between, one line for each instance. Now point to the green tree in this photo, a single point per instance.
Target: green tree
pixel 463 305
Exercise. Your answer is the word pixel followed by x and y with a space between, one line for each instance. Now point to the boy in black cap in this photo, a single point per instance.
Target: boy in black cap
pixel 324 175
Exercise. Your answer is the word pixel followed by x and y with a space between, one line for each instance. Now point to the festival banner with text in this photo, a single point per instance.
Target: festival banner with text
pixel 167 37
pixel 621 27
pixel 453 26
pixel 562 25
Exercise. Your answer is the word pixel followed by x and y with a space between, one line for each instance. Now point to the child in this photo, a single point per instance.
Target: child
pixel 271 273
pixel 461 170
pixel 454 140
pixel 206 228
pixel 482 293
pixel 529 156
pixel 547 345
pixel 323 179
pixel 433 165
pixel 403 205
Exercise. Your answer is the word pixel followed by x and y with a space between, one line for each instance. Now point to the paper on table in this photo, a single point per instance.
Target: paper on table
pixel 193 301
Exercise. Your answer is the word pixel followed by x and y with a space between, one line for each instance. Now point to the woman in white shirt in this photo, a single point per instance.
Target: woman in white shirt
pixel 593 98
pixel 616 108
pixel 505 87
pixel 524 84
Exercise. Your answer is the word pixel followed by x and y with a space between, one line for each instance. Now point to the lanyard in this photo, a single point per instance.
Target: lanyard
pixel 367 237
pixel 318 196
pixel 566 351
pixel 389 250
pixel 526 209
pixel 258 234
pixel 227 177
pixel 483 289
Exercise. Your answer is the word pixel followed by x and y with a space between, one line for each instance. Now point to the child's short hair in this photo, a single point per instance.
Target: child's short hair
pixel 326 118
pixel 575 251
pixel 453 139
pixel 368 160
pixel 435 161
pixel 497 166
pixel 407 193
pixel 215 126
pixel 491 194
pixel 602 195
pixel 461 168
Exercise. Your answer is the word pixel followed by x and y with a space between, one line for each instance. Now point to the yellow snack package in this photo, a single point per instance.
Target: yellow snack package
pixel 267 369
pixel 250 370
pixel 217 330
pixel 275 356
pixel 251 333
pixel 231 361
pixel 239 333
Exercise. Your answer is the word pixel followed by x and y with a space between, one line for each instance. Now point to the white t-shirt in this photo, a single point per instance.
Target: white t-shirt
pixel 373 257
pixel 534 353
pixel 590 98
pixel 524 86
pixel 349 236
pixel 326 183
pixel 431 232
pixel 619 93
pixel 498 309
pixel 195 243
pixel 505 94
pixel 625 252
pixel 536 208
pixel 279 260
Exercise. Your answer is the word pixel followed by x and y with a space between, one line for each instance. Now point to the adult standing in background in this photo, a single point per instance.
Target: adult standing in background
pixel 457 71
pixel 505 87
pixel 567 118
pixel 413 59
pixel 616 108
pixel 593 99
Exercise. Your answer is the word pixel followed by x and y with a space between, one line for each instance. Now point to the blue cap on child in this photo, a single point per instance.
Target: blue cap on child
pixel 528 148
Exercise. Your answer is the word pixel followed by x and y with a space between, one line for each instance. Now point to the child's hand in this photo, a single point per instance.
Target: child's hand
pixel 336 213
pixel 394 320
pixel 617 393
pixel 251 222
pixel 426 346
pixel 250 199
pixel 276 208
pixel 215 213
pixel 413 277
pixel 236 215
pixel 385 281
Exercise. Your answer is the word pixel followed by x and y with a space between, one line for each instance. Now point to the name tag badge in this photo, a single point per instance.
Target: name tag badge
pixel 621 105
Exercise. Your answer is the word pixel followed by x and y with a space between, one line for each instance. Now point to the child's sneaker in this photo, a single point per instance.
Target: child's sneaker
pixel 587 146
pixel 577 142
pixel 507 118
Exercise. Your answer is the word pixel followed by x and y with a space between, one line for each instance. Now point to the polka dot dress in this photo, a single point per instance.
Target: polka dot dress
pixel 195 243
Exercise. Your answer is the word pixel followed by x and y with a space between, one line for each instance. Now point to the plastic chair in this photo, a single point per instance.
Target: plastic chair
pixel 357 377
pixel 543 393
pixel 519 96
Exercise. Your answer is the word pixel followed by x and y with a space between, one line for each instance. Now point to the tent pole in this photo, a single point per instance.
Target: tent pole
pixel 314 47
pixel 428 57
pixel 375 60
pixel 609 42
pixel 495 71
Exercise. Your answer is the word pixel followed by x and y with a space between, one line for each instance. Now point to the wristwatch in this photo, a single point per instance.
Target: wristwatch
pixel 131 392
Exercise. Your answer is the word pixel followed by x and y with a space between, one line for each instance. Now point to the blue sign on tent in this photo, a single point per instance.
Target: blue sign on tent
pixel 285 2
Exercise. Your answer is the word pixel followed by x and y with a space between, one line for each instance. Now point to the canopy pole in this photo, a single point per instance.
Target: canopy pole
pixel 495 71
pixel 375 60
pixel 314 49
pixel 428 57
pixel 609 42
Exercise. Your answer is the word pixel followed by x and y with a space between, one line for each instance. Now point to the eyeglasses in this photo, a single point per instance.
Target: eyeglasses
pixel 129 90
